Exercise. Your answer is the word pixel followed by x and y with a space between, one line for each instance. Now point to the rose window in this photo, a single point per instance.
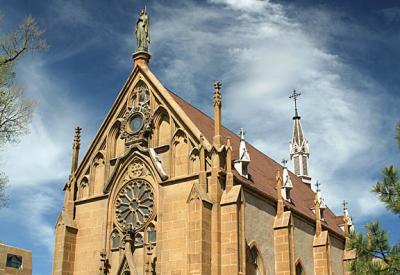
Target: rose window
pixel 135 203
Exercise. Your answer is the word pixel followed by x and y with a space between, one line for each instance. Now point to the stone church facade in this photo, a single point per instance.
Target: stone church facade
pixel 165 189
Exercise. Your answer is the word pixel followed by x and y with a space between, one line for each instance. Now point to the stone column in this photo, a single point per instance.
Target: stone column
pixel 199 232
pixel 321 245
pixel 64 247
pixel 233 246
pixel 283 235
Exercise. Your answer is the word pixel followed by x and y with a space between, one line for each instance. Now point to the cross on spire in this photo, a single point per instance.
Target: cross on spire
pixel 294 96
pixel 318 185
pixel 345 203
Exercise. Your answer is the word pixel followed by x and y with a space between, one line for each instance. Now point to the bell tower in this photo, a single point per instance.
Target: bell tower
pixel 299 149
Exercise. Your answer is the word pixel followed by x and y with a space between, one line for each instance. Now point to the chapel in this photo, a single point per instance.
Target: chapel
pixel 165 189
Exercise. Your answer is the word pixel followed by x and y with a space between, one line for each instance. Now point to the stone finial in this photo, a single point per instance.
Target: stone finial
pixel 75 149
pixel 217 93
pixel 280 206
pixel 229 175
pixel 217 140
pixel 77 138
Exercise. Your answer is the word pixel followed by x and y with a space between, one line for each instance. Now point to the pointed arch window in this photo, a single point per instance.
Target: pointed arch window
pixel 83 188
pixel 162 128
pixel 98 176
pixel 255 263
pixel 299 268
pixel 115 239
pixel 194 161
pixel 138 240
pixel 180 154
pixel 151 234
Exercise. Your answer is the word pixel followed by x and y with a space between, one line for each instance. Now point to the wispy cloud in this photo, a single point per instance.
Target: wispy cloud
pixel 37 167
pixel 261 54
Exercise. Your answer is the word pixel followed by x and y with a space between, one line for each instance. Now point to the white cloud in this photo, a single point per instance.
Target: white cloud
pixel 261 54
pixel 37 167
pixel 246 5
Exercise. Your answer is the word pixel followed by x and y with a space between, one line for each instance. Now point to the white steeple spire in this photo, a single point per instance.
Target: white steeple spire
pixel 299 150
pixel 244 157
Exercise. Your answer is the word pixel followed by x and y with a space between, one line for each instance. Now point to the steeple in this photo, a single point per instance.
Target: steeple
pixel 299 150
pixel 244 157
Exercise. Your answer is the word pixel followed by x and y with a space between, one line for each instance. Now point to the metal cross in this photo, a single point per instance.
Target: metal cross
pixel 318 184
pixel 345 203
pixel 294 96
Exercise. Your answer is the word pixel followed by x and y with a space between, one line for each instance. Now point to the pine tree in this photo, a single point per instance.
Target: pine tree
pixel 375 255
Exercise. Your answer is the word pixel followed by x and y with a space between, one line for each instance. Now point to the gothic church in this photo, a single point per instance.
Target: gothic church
pixel 165 189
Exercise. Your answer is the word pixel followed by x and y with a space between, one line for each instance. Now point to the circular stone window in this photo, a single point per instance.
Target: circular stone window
pixel 136 122
pixel 135 203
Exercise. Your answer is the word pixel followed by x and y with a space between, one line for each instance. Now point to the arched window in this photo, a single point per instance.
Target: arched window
pixel 115 239
pixel 255 264
pixel 115 145
pixel 151 234
pixel 162 128
pixel 98 174
pixel 180 154
pixel 299 268
pixel 84 188
pixel 194 161
pixel 138 240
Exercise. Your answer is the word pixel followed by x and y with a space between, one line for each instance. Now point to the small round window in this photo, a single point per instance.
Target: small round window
pixel 136 123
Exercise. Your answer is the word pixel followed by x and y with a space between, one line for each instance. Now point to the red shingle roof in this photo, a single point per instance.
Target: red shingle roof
pixel 262 170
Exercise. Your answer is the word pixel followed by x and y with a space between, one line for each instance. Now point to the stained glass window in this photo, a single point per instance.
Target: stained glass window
pixel 115 239
pixel 14 261
pixel 135 203
pixel 151 234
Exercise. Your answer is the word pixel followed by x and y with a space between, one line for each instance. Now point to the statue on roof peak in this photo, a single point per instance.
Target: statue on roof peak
pixel 142 31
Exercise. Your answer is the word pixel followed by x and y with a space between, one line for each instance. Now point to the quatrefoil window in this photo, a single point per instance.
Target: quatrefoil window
pixel 135 203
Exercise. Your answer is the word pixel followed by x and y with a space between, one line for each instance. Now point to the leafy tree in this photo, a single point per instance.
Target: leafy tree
pixel 15 108
pixel 375 255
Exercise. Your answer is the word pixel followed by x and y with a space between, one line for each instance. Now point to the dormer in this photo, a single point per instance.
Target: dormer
pixel 241 165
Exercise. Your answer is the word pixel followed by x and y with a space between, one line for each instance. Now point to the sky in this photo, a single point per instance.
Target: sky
pixel 341 55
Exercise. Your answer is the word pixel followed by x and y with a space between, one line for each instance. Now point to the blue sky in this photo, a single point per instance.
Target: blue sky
pixel 342 55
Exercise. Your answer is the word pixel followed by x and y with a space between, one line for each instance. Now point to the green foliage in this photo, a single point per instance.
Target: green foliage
pixel 388 189
pixel 374 253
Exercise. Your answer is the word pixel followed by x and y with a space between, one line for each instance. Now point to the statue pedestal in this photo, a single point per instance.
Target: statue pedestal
pixel 141 58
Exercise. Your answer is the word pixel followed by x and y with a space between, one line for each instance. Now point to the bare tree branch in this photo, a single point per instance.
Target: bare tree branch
pixel 27 38
pixel 15 113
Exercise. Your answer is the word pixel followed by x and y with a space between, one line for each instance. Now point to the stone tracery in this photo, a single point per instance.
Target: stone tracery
pixel 135 203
